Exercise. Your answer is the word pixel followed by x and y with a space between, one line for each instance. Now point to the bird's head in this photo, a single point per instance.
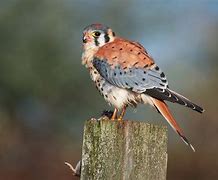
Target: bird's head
pixel 97 35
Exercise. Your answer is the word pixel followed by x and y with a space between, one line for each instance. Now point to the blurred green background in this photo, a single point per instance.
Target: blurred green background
pixel 46 94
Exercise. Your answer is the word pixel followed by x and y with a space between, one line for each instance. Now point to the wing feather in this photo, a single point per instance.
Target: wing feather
pixel 126 64
pixel 136 79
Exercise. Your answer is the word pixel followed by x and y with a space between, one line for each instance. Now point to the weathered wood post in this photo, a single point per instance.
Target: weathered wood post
pixel 123 150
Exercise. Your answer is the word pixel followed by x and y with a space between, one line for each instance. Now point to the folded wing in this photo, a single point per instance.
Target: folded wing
pixel 127 65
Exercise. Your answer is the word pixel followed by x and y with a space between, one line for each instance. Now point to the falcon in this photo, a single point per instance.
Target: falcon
pixel 126 75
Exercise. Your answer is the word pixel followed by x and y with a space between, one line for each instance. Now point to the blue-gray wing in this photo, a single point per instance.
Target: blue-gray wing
pixel 151 81
pixel 136 79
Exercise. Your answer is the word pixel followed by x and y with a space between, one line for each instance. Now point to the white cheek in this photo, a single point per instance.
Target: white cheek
pixel 101 40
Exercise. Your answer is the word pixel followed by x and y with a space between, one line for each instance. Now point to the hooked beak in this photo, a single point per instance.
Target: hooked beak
pixel 86 38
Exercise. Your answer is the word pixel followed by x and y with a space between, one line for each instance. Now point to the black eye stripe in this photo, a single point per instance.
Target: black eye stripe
pixel 106 38
pixel 96 41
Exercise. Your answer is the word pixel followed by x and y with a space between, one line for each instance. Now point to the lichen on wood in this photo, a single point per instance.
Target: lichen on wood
pixel 123 150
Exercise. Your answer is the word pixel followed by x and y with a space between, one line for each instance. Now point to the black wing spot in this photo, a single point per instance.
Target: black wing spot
pixel 143 79
pixel 162 75
pixel 157 68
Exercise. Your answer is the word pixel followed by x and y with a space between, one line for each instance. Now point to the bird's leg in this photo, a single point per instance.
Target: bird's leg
pixel 122 114
pixel 114 116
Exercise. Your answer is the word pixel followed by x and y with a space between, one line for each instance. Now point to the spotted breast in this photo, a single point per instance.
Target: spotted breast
pixel 117 97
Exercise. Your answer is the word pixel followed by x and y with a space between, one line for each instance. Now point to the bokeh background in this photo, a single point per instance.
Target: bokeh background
pixel 46 94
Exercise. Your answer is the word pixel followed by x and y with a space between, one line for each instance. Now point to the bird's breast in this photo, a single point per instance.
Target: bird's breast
pixel 115 96
pixel 87 57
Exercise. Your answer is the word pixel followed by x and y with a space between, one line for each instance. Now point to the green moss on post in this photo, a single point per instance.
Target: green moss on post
pixel 123 150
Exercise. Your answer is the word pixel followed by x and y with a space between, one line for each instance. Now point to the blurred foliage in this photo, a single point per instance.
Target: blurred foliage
pixel 46 95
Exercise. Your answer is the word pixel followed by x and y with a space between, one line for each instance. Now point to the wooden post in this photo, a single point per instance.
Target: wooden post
pixel 123 150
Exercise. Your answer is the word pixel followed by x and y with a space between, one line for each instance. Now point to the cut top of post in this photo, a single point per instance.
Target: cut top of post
pixel 124 150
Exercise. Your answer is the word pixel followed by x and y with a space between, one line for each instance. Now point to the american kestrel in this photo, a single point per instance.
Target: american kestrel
pixel 126 75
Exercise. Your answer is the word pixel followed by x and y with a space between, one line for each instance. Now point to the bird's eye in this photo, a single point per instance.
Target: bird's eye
pixel 96 34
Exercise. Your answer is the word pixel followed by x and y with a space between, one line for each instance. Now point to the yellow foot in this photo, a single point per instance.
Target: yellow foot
pixel 114 114
pixel 122 114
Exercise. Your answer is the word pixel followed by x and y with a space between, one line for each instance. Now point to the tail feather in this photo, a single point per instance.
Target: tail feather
pixel 164 110
pixel 186 102
pixel 172 96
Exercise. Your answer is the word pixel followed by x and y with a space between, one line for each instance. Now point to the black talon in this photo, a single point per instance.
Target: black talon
pixel 107 113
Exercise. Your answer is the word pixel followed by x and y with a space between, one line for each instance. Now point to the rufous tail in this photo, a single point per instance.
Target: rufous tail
pixel 162 107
